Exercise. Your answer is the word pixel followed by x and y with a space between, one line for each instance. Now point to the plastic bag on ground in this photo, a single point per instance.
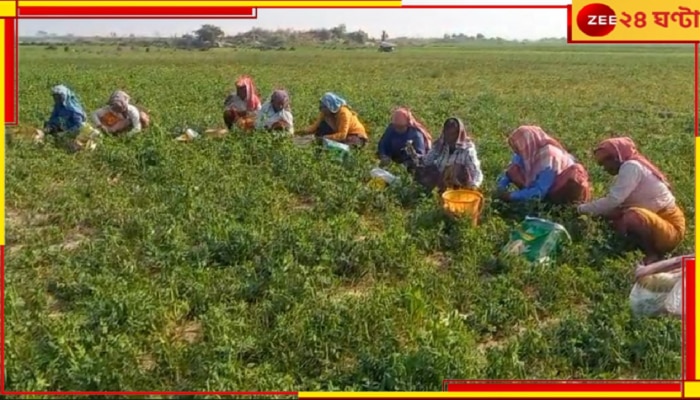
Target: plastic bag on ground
pixel 536 239
pixel 659 288
pixel 339 150
pixel 658 294
pixel 384 175
pixel 86 139
pixel 188 136
pixel 674 300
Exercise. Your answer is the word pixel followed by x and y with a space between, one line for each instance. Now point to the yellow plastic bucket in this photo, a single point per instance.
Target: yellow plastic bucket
pixel 463 202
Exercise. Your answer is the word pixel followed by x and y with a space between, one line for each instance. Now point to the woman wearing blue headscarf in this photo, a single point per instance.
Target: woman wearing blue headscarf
pixel 338 122
pixel 67 115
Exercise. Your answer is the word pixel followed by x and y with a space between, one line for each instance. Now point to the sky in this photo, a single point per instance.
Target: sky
pixel 511 24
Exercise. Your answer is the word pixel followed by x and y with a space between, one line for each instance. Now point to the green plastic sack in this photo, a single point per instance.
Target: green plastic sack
pixel 536 239
pixel 339 150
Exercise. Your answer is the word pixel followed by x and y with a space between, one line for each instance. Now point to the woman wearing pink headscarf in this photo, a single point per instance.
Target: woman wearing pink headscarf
pixel 241 107
pixel 403 131
pixel 542 169
pixel 640 203
pixel 452 162
pixel 119 116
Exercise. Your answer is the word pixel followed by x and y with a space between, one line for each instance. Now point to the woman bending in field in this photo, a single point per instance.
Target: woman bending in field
pixel 119 116
pixel 452 162
pixel 241 107
pixel 68 121
pixel 337 122
pixel 640 203
pixel 276 114
pixel 68 115
pixel 542 169
pixel 404 131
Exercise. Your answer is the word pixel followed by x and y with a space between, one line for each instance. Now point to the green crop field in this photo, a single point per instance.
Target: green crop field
pixel 247 263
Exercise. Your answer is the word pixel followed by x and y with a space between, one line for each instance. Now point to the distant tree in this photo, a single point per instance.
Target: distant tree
pixel 385 36
pixel 275 41
pixel 479 36
pixel 339 31
pixel 209 33
pixel 360 37
pixel 42 33
pixel 322 34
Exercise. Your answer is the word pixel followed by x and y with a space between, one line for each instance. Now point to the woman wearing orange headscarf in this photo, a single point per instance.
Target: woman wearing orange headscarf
pixel 403 131
pixel 542 169
pixel 640 202
pixel 241 107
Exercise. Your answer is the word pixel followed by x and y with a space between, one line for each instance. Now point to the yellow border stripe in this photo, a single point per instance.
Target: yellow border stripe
pixel 205 3
pixel 8 9
pixel 691 389
pixel 447 395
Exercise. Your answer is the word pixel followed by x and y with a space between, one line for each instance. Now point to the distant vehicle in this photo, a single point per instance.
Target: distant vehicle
pixel 387 47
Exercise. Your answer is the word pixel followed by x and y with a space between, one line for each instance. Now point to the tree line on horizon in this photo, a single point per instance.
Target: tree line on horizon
pixel 212 36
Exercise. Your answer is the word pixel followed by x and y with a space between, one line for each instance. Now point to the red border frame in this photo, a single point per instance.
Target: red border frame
pixel 172 12
pixel 136 12
pixel 11 75
pixel 457 385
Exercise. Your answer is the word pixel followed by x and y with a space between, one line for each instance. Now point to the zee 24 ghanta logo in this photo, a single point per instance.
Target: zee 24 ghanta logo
pixel 597 20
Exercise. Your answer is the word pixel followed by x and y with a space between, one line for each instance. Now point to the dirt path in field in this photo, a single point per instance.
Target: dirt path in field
pixel 18 222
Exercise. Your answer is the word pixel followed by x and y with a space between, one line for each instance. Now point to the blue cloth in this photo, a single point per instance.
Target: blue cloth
pixel 393 144
pixel 538 189
pixel 333 102
pixel 68 114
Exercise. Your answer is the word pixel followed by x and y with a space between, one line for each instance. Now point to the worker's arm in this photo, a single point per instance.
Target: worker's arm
pixel 626 181
pixel 314 127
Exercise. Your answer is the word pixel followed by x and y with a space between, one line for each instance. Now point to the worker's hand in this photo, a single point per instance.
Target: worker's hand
pixel 50 130
pixel 640 272
pixel 278 126
pixel 384 161
pixel 448 176
pixel 503 195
